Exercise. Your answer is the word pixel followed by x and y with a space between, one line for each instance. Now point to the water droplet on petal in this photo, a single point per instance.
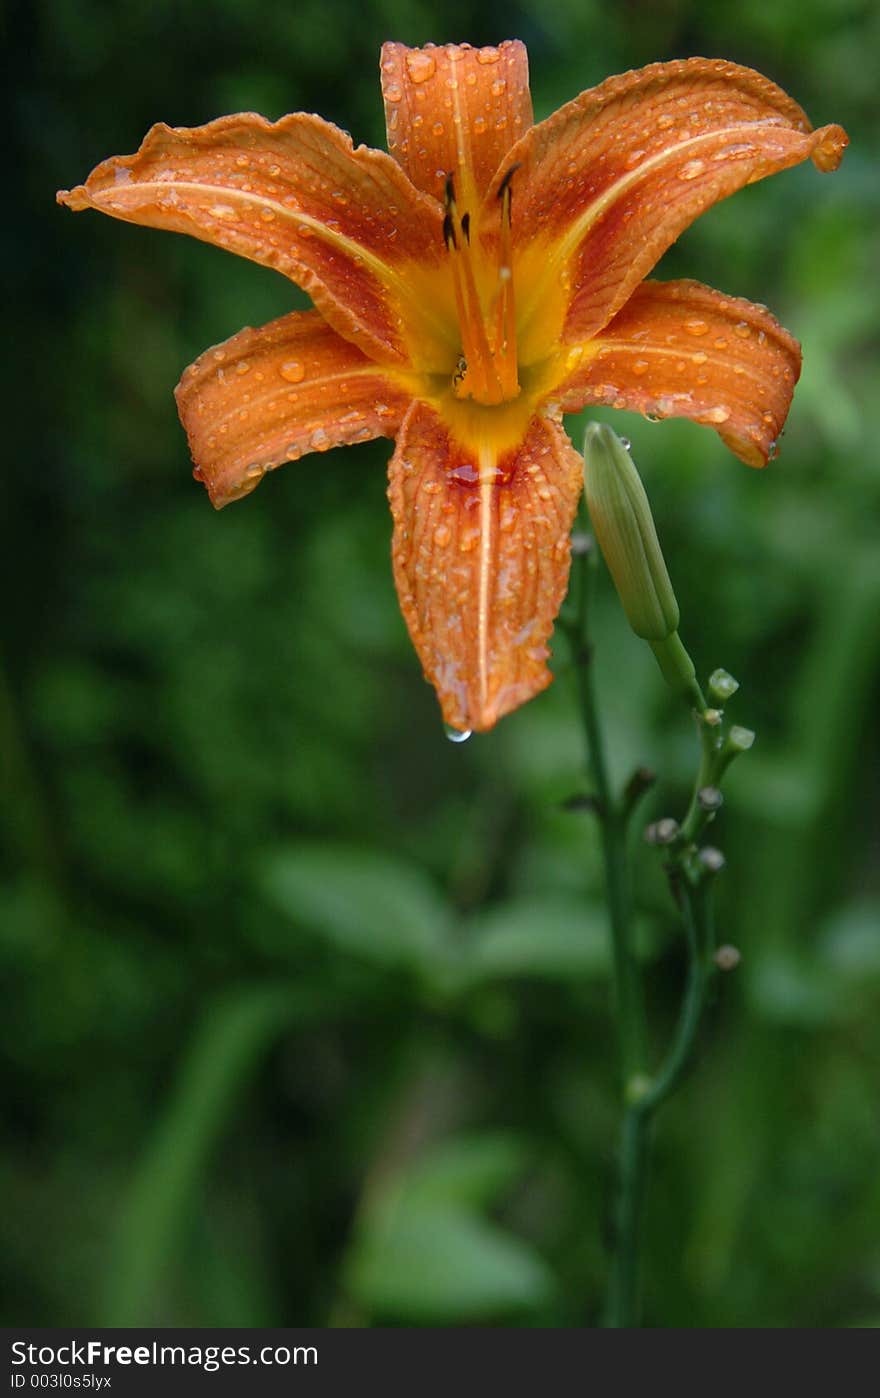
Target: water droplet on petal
pixel 691 170
pixel 742 329
pixel 696 327
pixel 420 66
pixel 393 92
pixel 488 55
pixel 442 535
pixel 293 371
pixel 716 415
pixel 626 443
pixel 456 735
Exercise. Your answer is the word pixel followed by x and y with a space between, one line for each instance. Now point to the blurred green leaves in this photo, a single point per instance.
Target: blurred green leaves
pixel 427 1254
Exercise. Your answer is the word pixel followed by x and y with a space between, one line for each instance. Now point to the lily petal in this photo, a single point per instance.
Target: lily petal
pixel 455 110
pixel 481 559
pixel 271 395
pixel 610 180
pixel 680 349
pixel 293 195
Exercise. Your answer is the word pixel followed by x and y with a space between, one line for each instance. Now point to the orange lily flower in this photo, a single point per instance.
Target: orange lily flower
pixel 470 287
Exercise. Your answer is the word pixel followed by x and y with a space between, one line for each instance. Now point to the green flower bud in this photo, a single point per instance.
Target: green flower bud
pixel 624 527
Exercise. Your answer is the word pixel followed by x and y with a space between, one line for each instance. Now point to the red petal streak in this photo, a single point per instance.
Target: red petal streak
pixel 610 180
pixel 680 349
pixel 455 110
pixel 481 557
pixel 270 395
pixel 294 195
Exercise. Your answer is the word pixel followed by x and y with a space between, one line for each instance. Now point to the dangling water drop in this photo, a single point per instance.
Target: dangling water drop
pixel 456 735
pixel 626 443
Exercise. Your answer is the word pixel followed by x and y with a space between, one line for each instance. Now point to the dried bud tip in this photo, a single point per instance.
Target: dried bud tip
pixel 710 798
pixel 641 781
pixel 727 958
pixel 722 686
pixel 662 832
pixel 712 859
pixel 713 717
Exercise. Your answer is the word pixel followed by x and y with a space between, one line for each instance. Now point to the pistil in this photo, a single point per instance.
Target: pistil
pixel 487 371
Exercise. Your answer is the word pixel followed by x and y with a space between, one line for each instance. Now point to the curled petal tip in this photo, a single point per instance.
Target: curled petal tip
pixel 831 142
pixel 75 199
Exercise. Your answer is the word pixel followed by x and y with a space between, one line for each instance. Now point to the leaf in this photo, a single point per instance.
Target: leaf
pixel 227 1044
pixel 377 907
pixel 468 1170
pixel 440 1264
pixel 556 938
pixel 850 948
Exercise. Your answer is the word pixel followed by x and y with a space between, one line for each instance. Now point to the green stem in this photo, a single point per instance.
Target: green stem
pixel 622 1309
pixel 612 823
pixel 642 1095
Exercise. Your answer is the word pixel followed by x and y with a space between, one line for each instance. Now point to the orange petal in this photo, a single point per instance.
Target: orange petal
pixel 455 110
pixel 680 349
pixel 610 180
pixel 481 556
pixel 293 195
pixel 270 395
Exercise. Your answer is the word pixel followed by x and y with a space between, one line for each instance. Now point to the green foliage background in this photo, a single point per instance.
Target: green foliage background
pixel 307 1012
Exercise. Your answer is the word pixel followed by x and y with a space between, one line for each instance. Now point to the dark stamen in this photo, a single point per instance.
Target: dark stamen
pixel 504 186
pixel 466 227
pixel 449 237
pixel 450 192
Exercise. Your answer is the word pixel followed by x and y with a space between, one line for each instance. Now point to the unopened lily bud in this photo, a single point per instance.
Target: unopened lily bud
pixel 738 740
pixel 722 686
pixel 624 527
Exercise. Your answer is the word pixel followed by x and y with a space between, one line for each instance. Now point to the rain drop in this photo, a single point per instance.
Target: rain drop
pixel 626 443
pixel 488 55
pixel 456 735
pixel 420 66
pixel 691 170
pixel 293 371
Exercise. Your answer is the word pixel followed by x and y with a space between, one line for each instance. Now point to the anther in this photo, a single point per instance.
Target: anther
pixel 504 187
